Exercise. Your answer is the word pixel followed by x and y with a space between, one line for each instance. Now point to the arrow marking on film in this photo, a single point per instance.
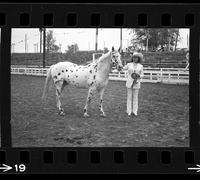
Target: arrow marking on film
pixel 195 168
pixel 6 167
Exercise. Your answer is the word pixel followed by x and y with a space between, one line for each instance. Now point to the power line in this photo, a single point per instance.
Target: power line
pixel 21 41
pixel 26 39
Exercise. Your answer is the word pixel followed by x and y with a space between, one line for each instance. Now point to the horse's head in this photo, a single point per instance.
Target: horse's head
pixel 116 59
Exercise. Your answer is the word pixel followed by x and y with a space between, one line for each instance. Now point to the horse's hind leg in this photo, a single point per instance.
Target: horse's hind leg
pixel 101 92
pixel 89 97
pixel 59 87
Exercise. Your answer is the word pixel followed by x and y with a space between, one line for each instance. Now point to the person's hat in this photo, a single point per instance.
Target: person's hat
pixel 140 55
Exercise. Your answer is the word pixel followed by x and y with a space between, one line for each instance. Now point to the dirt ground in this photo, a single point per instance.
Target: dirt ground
pixel 163 116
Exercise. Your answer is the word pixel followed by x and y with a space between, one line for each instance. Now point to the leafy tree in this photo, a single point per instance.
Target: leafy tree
pixel 51 47
pixel 177 37
pixel 72 48
pixel 105 50
pixel 155 38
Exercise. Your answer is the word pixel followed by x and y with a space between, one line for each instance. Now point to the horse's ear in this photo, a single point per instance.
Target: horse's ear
pixel 113 49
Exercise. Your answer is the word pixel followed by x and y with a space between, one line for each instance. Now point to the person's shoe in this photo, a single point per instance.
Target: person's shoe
pixel 129 114
pixel 134 114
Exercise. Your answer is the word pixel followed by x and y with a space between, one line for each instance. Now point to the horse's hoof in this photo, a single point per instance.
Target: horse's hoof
pixel 102 115
pixel 61 113
pixel 86 115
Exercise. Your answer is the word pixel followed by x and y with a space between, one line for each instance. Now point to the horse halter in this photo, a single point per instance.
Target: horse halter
pixel 114 59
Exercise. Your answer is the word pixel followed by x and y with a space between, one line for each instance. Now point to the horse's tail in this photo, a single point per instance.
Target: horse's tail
pixel 46 86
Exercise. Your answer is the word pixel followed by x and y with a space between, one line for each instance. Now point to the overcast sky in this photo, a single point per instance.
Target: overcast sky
pixel 84 37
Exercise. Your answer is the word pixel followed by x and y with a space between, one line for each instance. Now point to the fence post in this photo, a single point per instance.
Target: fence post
pixel 161 74
pixel 93 57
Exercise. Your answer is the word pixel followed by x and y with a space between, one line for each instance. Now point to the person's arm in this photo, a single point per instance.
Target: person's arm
pixel 140 74
pixel 125 67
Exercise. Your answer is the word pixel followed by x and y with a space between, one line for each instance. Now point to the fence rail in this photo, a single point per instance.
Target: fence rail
pixel 145 68
pixel 153 75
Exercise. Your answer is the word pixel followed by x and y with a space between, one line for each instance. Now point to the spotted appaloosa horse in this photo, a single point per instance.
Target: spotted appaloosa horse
pixel 93 76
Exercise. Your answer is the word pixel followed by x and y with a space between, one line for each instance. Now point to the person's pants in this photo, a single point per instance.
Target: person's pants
pixel 132 100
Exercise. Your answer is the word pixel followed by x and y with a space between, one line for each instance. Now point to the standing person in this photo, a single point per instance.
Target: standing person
pixel 135 73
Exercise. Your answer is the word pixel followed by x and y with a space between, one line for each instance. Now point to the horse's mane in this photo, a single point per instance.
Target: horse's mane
pixel 104 56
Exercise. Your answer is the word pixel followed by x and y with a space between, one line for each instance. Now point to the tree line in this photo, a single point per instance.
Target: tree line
pixel 148 39
pixel 52 47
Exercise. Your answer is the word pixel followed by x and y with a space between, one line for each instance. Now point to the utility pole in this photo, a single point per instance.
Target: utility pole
pixel 25 43
pixel 96 43
pixel 120 39
pixel 44 46
pixel 104 47
pixel 36 47
pixel 26 48
pixel 177 35
pixel 40 40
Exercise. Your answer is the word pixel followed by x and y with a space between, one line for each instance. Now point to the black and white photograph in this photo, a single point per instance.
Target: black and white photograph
pixel 100 87
pixel 0 58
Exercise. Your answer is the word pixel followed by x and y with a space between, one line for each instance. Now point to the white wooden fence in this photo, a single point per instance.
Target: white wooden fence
pixel 153 75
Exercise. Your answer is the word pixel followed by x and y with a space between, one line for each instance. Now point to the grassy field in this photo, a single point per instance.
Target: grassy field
pixel 163 116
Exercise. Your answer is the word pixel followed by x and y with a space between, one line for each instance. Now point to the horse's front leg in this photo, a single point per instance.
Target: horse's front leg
pixel 101 92
pixel 88 101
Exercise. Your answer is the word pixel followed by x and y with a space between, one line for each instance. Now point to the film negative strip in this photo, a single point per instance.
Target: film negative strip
pixel 150 126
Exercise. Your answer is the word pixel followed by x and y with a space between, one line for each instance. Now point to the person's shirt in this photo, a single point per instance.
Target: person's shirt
pixel 133 68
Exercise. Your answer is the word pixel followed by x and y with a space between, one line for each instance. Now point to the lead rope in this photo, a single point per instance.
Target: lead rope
pixel 132 96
